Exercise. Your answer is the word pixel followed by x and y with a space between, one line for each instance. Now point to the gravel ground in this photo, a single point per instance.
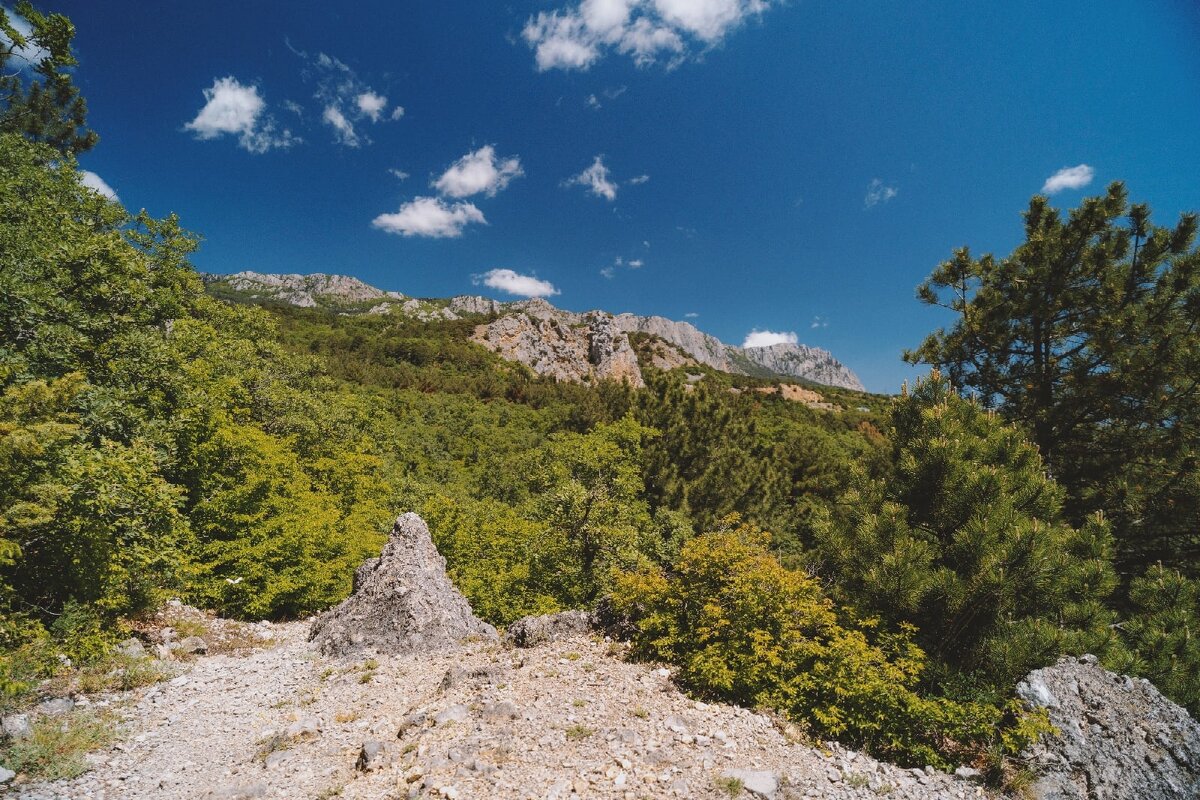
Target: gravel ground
pixel 566 720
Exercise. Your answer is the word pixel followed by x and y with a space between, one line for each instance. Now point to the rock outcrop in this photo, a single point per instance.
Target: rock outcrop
pixel 562 345
pixel 565 345
pixel 532 631
pixel 402 601
pixel 306 291
pixel 1118 737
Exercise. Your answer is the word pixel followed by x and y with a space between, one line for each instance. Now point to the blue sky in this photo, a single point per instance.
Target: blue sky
pixel 792 167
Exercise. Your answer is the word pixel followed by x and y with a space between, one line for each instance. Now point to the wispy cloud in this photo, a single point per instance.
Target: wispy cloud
pixel 757 338
pixel 346 100
pixel 344 132
pixel 399 174
pixel 638 180
pixel 819 322
pixel 636 263
pixel 506 280
pixel 480 171
pixel 1069 178
pixel 878 192
pixel 608 272
pixel 237 109
pixel 430 217
pixel 691 315
pixel 596 179
pixel 576 36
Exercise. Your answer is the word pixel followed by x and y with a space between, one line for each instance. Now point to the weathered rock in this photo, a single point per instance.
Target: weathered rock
pixel 193 645
pixel 6 775
pixel 1118 736
pixel 373 755
pixel 245 791
pixel 402 601
pixel 131 647
pixel 755 781
pixel 16 726
pixel 59 705
pixel 532 631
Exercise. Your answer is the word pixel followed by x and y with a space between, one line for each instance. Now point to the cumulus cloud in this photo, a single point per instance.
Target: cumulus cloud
pixel 512 282
pixel 596 179
pixel 430 217
pixel 97 184
pixel 371 105
pixel 480 171
pixel 233 108
pixel 878 193
pixel 1069 178
pixel 757 338
pixel 577 36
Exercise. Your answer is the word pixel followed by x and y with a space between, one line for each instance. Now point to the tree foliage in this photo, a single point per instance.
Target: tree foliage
pixel 38 99
pixel 964 541
pixel 1086 335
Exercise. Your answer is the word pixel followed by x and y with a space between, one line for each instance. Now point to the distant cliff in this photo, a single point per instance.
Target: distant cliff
pixel 566 345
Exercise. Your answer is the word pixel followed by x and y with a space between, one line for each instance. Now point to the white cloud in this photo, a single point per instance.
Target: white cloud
pixel 397 112
pixel 371 105
pixel 431 217
pixel 398 174
pixel 819 322
pixel 1069 178
pixel 757 338
pixel 97 184
pixel 343 128
pixel 878 193
pixel 596 179
pixel 238 110
pixel 636 263
pixel 608 272
pixel 29 55
pixel 477 172
pixel 691 315
pixel 636 181
pixel 576 36
pixel 592 102
pixel 513 283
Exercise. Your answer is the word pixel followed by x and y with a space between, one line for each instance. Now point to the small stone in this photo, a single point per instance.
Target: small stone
pixel 456 713
pixel 278 757
pixel 182 680
pixel 675 725
pixel 505 709
pixel 248 791
pixel 968 773
pixel 6 775
pixel 309 726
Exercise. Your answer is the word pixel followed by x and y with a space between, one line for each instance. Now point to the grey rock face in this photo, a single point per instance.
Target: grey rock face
pixel 800 361
pixel 131 647
pixel 373 755
pixel 1119 737
pixel 193 645
pixel 474 304
pixel 562 345
pixel 16 726
pixel 532 631
pixel 758 782
pixel 304 290
pixel 402 601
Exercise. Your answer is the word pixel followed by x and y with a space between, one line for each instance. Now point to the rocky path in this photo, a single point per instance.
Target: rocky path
pixel 569 719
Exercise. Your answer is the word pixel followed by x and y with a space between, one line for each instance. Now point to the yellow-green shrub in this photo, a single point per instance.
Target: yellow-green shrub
pixel 741 626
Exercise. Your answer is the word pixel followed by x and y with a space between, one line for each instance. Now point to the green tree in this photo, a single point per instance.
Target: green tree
pixel 37 97
pixel 1163 632
pixel 964 540
pixel 1087 336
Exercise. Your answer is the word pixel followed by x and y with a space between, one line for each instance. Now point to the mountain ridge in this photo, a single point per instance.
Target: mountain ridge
pixel 566 345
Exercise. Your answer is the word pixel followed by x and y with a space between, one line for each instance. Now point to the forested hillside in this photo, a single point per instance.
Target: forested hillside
pixel 882 572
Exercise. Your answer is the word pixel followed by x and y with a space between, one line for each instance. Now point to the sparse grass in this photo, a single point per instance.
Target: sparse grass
pixel 118 673
pixel 857 780
pixel 572 656
pixel 327 673
pixel 345 716
pixel 641 713
pixel 588 667
pixel 408 748
pixel 371 664
pixel 56 747
pixel 271 744
pixel 366 677
pixel 579 703
pixel 577 733
pixel 186 627
pixel 883 788
pixel 729 786
pixel 331 792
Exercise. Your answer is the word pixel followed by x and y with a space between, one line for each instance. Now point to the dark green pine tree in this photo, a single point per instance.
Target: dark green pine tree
pixel 965 541
pixel 37 97
pixel 1087 336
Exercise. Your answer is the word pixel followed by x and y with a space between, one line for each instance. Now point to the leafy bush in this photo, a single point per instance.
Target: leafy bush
pixel 742 627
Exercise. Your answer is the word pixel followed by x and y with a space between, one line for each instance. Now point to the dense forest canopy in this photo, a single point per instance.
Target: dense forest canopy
pixel 883 572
